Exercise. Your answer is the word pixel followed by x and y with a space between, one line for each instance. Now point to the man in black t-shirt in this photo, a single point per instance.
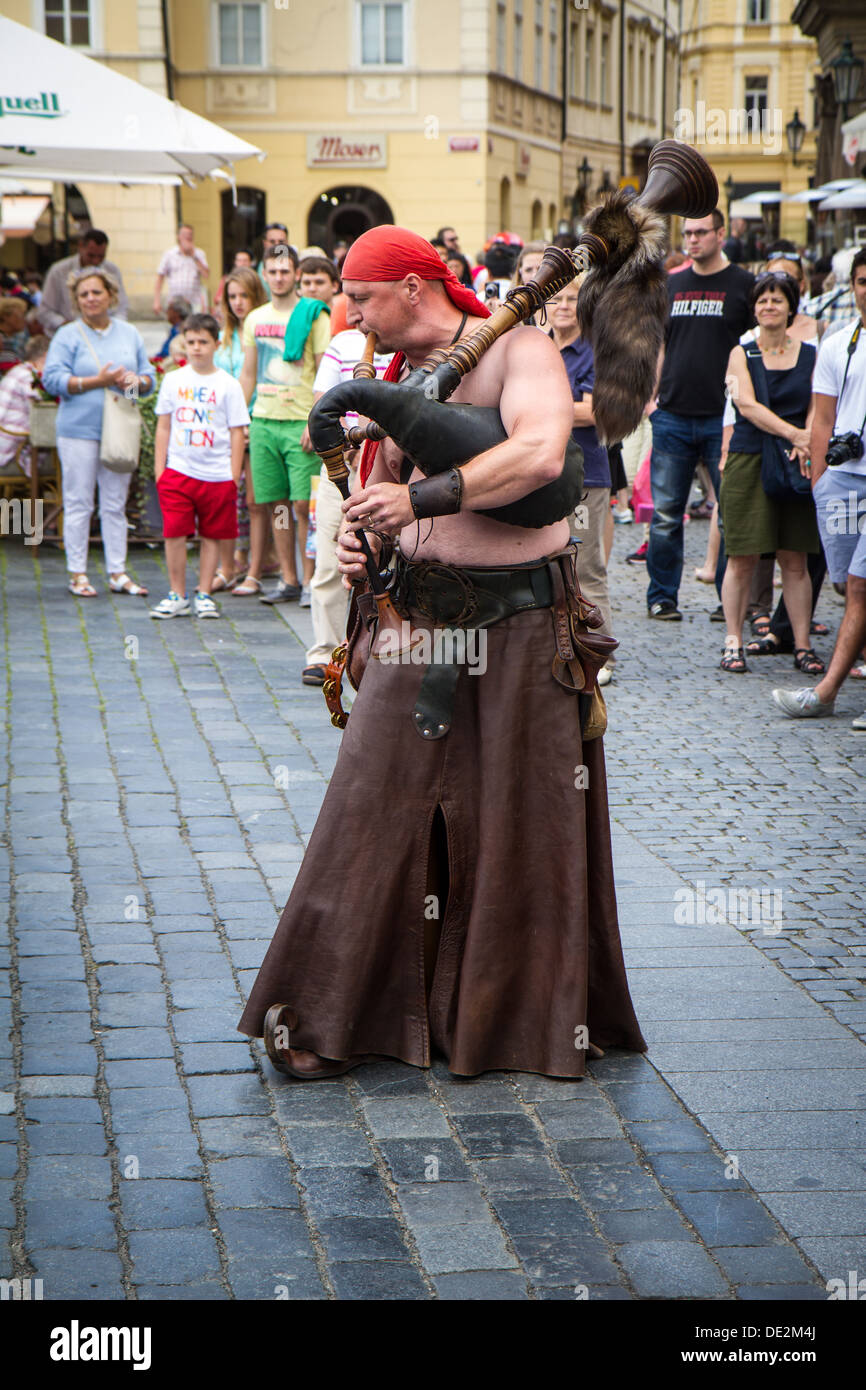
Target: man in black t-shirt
pixel 709 310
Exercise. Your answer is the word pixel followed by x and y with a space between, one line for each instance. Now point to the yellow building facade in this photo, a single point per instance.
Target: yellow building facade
pixel 746 70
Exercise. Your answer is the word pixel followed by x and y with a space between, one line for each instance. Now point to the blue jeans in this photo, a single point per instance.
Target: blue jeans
pixel 680 442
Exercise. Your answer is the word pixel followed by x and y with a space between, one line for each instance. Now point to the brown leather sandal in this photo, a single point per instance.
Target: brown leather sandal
pixel 280 1019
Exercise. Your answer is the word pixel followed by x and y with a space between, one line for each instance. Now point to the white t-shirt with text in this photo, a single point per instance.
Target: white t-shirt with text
pixel 204 409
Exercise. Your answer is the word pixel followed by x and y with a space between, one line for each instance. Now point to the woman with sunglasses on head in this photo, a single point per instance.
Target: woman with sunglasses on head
pixel 778 368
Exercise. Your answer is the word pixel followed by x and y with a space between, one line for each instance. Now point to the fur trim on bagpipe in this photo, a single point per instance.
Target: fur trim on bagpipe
pixel 622 309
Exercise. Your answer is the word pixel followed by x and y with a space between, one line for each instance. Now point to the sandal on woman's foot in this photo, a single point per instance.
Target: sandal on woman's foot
pixel 819 630
pixel 122 584
pixel 858 672
pixel 80 586
pixel 733 660
pixel 809 662
pixel 248 588
pixel 762 646
pixel 760 623
pixel 304 1065
pixel 220 582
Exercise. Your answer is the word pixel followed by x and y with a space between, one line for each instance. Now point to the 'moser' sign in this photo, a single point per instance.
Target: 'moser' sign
pixel 355 148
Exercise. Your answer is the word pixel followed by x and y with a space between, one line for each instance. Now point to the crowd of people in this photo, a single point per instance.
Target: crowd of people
pixel 761 397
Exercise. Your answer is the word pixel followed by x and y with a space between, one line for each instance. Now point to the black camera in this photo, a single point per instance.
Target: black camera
pixel 844 448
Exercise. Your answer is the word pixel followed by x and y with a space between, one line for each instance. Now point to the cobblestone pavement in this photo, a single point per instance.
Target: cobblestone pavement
pixel 160 783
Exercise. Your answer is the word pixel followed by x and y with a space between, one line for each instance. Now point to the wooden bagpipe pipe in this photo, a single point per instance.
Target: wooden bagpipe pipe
pixel 622 308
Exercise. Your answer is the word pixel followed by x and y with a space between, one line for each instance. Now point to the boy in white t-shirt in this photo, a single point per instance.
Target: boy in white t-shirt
pixel 198 455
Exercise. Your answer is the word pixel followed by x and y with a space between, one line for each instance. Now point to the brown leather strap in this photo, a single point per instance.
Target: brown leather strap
pixel 332 689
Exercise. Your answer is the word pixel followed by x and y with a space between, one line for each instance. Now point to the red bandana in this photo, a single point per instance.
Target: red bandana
pixel 392 253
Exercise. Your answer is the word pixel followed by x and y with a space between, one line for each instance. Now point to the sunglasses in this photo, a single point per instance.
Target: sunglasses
pixel 785 256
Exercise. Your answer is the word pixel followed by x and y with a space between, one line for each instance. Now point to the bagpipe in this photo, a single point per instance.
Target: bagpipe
pixel 622 310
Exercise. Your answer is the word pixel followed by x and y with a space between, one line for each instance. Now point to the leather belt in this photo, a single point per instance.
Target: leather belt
pixel 454 597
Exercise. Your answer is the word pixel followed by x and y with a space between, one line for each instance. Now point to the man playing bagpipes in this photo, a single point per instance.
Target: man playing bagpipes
pixel 457 893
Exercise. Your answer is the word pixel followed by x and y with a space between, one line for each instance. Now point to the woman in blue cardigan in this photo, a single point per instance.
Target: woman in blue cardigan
pixel 94 354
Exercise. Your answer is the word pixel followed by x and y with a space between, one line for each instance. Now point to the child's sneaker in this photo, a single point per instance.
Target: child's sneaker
pixel 172 606
pixel 205 606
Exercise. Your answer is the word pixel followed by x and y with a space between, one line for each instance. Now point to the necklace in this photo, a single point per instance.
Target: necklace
pixel 777 351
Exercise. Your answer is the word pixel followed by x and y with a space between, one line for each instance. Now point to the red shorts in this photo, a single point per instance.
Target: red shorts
pixel 188 503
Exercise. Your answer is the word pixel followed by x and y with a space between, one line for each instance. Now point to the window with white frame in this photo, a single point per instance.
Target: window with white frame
pixel 573 60
pixel 552 35
pixel 589 66
pixel 757 11
pixel 518 40
pixel 604 69
pixel 755 102
pixel 539 45
pixel 241 35
pixel 68 21
pixel 383 33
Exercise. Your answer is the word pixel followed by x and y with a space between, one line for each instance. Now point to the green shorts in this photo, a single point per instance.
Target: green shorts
pixel 281 469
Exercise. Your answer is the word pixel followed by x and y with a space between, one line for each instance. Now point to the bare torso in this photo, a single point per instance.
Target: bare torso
pixel 468 538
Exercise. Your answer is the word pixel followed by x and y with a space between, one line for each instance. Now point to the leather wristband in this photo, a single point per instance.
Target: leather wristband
pixel 440 495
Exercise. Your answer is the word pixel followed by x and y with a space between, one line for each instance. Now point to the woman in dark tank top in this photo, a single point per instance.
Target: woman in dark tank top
pixel 780 370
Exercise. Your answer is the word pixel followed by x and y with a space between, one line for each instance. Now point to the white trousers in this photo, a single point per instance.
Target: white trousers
pixel 328 599
pixel 82 469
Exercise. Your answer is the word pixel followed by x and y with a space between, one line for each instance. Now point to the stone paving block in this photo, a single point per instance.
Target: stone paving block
pixel 669 1136
pixel 278 1278
pixel 499 1136
pixel 818 1213
pixel 612 1189
pixel 351 1238
pixel 73 1058
pixel 267 1234
pixel 253 1182
pixel 143 1103
pixel 694 1172
pixel 301 1103
pixel 728 1218
pixel 44 1138
pixel 593 1119
pixel 390 1080
pixel 174 1256
pixel 542 1216
pixel 245 1134
pixel 70 1223
pixel 158 1155
pixel 345 1192
pixel 782 1293
pixel 655 1223
pixel 525 1175
pixel 438 1204
pixel 121 1044
pixel 58 1086
pixel 390 1280
pixel 150 1204
pixel 558 1260
pixel 327 1144
pixel 136 1072
pixel 763 1264
pixel 198 1293
pixel 670 1269
pixel 476 1245
pixel 406 1119
pixel 206 1058
pixel 90 1275
pixel 433 1160
pixel 135 1010
pixel 488 1286
pixel 218 1024
pixel 227 1095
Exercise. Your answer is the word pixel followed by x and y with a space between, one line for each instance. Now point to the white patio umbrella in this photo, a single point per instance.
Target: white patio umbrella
pixel 767 195
pixel 77 119
pixel 853 197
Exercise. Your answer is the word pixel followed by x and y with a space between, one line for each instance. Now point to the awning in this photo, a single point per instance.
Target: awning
pixel 63 113
pixel 854 138
pixel 853 197
pixel 20 213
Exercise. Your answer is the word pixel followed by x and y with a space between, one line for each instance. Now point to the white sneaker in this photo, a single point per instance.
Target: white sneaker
pixel 205 607
pixel 605 675
pixel 306 600
pixel 803 703
pixel 859 723
pixel 172 606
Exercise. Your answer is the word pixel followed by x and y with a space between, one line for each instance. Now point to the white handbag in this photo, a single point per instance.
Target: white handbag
pixel 120 441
